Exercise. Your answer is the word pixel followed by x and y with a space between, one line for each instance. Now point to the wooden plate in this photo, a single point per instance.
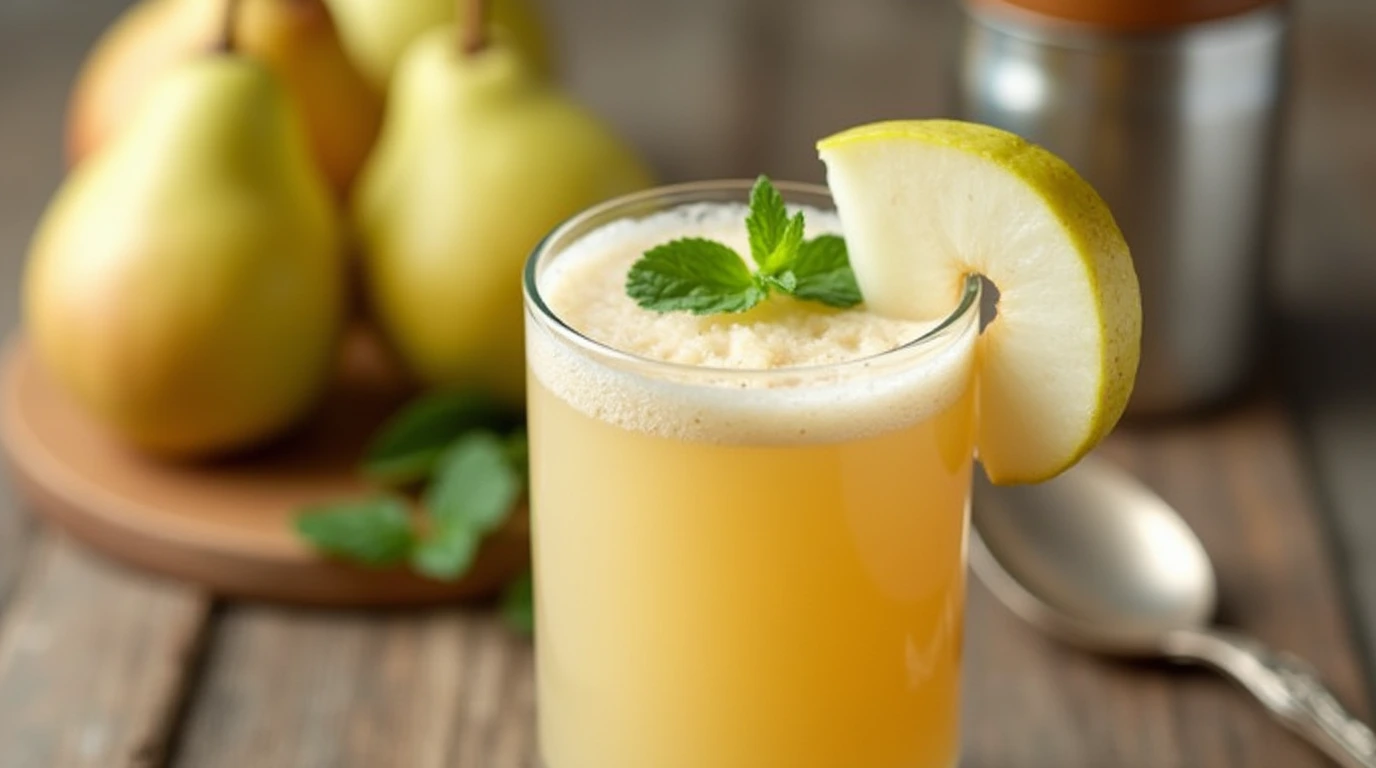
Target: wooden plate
pixel 227 524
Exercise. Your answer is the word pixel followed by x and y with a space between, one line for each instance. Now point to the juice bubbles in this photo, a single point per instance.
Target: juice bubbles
pixel 749 529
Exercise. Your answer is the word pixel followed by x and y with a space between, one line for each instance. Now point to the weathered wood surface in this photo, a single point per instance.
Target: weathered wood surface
pixel 94 662
pixel 38 54
pixel 1327 276
pixel 452 688
pixel 102 667
pixel 1237 479
pixel 441 689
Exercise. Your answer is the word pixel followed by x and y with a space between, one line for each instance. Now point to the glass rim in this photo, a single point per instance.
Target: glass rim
pixel 544 314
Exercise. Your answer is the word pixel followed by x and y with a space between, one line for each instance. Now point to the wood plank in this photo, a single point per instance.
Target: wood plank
pixel 94 663
pixel 449 688
pixel 286 688
pixel 1237 479
pixel 41 45
pixel 439 689
pixel 93 660
pixel 454 688
pixel 1327 278
pixel 16 534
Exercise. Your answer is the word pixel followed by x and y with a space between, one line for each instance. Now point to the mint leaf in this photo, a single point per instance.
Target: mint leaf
pixel 787 247
pixel 518 454
pixel 475 485
pixel 447 552
pixel 518 604
pixel 695 275
pixel 784 282
pixel 704 277
pixel 373 532
pixel 767 220
pixel 411 443
pixel 822 269
pixel 477 482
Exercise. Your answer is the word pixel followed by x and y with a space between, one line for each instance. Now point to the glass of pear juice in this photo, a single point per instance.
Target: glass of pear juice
pixel 749 530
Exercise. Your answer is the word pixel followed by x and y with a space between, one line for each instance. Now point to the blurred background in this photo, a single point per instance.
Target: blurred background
pixel 733 88
pixel 721 88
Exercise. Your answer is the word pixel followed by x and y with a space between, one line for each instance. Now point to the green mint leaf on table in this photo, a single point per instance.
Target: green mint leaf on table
pixel 706 277
pixel 693 275
pixel 476 475
pixel 823 273
pixel 408 447
pixel 518 604
pixel 374 532
pixel 447 552
pixel 518 454
pixel 475 484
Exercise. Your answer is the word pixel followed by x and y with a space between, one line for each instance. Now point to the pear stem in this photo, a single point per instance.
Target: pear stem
pixel 228 42
pixel 473 37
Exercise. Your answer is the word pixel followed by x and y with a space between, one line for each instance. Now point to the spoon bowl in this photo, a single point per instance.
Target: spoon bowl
pixel 1093 556
pixel 1099 560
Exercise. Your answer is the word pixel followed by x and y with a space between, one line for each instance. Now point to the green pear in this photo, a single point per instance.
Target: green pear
pixel 185 286
pixel 340 109
pixel 477 160
pixel 377 33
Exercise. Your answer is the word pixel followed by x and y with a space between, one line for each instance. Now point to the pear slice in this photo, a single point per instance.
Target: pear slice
pixel 924 203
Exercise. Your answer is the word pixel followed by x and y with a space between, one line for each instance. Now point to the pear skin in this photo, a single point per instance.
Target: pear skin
pixel 341 110
pixel 185 285
pixel 378 33
pixel 146 40
pixel 478 159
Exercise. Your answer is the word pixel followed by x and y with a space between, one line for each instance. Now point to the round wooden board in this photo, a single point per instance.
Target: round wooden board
pixel 228 524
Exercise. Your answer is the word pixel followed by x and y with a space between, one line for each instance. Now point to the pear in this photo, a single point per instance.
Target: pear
pixel 296 38
pixel 478 159
pixel 185 285
pixel 377 32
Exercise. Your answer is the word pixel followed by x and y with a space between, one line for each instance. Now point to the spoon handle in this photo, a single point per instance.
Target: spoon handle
pixel 1287 686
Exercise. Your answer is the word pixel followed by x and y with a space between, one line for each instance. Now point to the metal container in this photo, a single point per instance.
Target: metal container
pixel 1177 126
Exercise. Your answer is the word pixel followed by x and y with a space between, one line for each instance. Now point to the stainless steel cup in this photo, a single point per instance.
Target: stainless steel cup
pixel 1178 129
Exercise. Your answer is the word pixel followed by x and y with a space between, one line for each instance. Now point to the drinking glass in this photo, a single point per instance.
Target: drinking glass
pixel 746 568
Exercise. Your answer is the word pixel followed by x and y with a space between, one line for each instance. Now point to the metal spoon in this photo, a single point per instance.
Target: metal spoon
pixel 1097 559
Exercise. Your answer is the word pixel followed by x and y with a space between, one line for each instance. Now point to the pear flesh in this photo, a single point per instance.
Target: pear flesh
pixel 478 159
pixel 185 286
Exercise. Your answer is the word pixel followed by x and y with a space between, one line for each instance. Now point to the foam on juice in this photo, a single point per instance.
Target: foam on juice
pixel 786 371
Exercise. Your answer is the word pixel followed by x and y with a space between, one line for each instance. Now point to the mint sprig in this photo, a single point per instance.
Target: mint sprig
pixel 477 483
pixel 693 275
pixel 707 277
pixel 470 457
pixel 376 532
pixel 409 446
pixel 518 604
pixel 474 489
pixel 822 269
pixel 463 463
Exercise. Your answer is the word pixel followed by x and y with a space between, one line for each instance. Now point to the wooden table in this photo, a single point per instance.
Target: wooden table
pixel 107 668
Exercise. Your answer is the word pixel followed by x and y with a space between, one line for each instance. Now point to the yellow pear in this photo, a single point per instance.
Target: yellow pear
pixel 377 32
pixel 185 285
pixel 296 38
pixel 478 159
